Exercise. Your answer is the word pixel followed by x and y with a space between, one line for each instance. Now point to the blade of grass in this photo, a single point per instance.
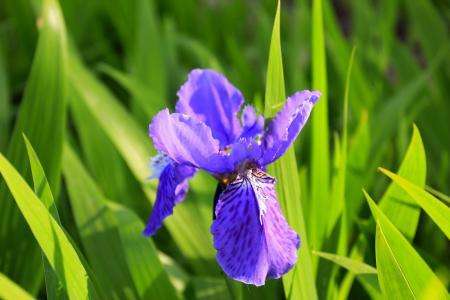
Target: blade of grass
pixel 49 235
pixel 320 160
pixel 337 207
pixel 354 266
pixel 42 118
pixel 112 233
pixel 395 203
pixel 54 286
pixel 11 291
pixel 401 271
pixel 338 195
pixel 438 194
pixel 298 283
pixel 438 211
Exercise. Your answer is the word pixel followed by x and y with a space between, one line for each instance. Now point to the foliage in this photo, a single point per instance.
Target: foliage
pixel 80 81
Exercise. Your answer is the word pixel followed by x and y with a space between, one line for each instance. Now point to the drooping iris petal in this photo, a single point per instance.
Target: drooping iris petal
pixel 172 188
pixel 252 238
pixel 210 98
pixel 252 123
pixel 287 124
pixel 184 139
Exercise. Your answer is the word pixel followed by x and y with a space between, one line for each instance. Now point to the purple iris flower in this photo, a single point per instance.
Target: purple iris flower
pixel 211 131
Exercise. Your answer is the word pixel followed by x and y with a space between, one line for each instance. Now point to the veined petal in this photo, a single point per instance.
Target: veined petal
pixel 172 189
pixel 287 124
pixel 183 139
pixel 210 98
pixel 251 236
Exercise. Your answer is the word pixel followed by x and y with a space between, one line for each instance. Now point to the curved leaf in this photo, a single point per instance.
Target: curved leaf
pixel 402 273
pixel 438 211
pixel 49 235
pixel 42 117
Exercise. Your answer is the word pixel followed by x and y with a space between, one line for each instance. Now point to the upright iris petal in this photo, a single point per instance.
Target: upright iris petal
pixel 287 124
pixel 209 131
pixel 210 98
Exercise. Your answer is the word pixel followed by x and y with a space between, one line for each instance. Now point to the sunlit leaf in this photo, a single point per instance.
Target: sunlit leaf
pixel 320 158
pixel 298 283
pixel 438 211
pixel 11 291
pixel 354 266
pixel 42 118
pixel 396 204
pixel 54 286
pixel 49 235
pixel 113 233
pixel 402 273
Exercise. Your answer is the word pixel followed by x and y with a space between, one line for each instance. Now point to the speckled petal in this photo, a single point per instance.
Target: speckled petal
pixel 251 236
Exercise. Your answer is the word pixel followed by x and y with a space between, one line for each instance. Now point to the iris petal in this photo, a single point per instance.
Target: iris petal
pixel 172 188
pixel 251 236
pixel 184 139
pixel 253 124
pixel 287 124
pixel 209 97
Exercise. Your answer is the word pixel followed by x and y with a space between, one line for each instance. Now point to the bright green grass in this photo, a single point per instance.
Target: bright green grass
pixel 366 185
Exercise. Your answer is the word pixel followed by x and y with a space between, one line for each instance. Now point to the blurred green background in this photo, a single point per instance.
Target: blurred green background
pixel 82 80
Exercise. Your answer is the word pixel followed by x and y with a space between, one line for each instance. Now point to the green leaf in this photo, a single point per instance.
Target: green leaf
pixel 338 187
pixel 396 204
pixel 438 211
pixel 54 286
pixel 11 291
pixel 148 275
pixel 402 273
pixel 298 283
pixel 42 118
pixel 49 235
pixel 111 233
pixel 354 266
pixel 320 160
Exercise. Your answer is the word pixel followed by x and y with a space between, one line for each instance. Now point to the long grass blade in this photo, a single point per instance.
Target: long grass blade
pixel 112 233
pixel 438 211
pixel 42 118
pixel 354 266
pixel 320 160
pixel 49 235
pixel 402 273
pixel 54 286
pixel 299 283
pixel 11 291
pixel 396 204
